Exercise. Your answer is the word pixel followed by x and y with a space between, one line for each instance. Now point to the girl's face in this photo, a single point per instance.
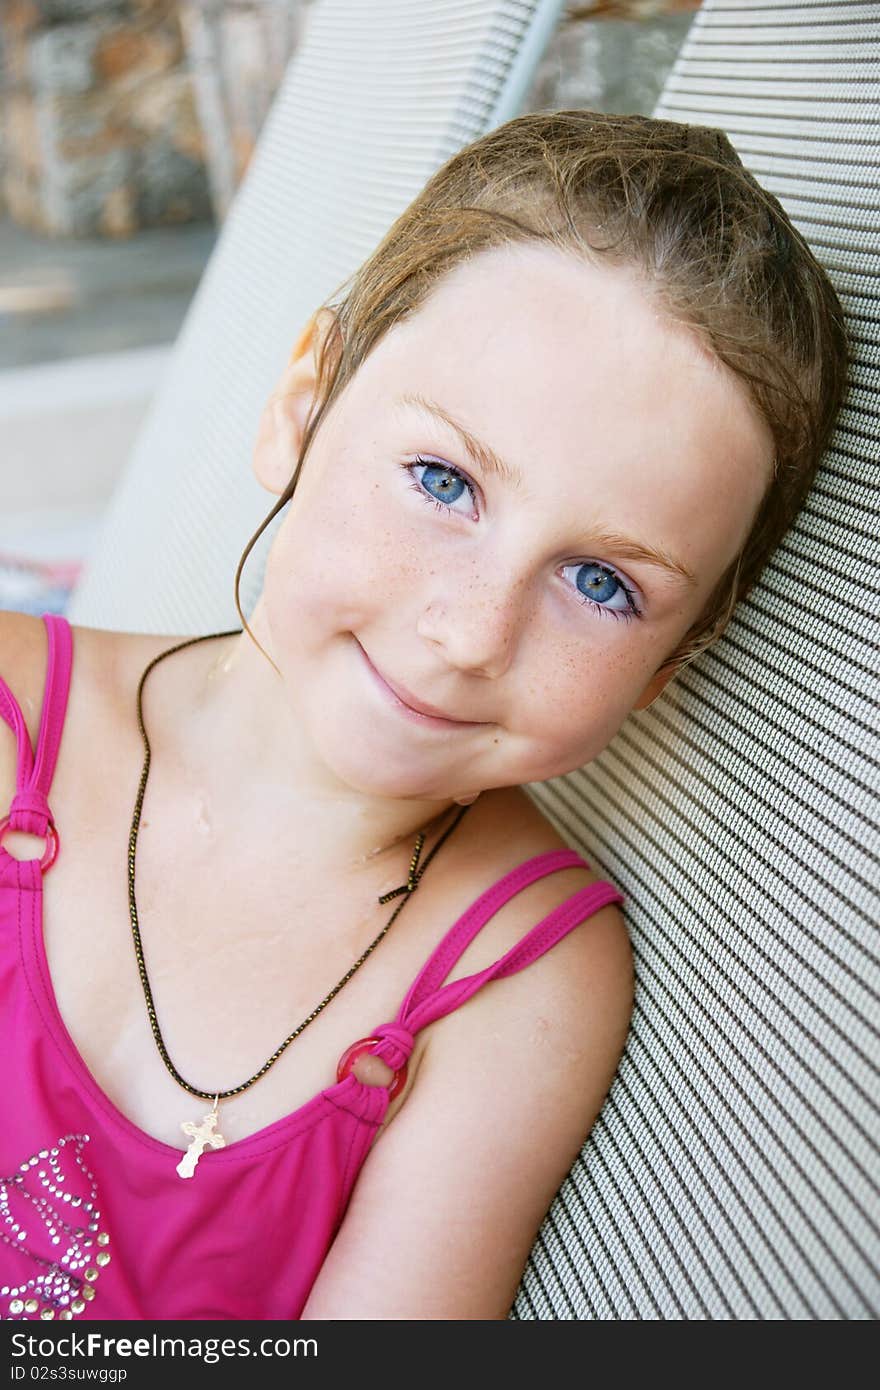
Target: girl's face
pixel 473 524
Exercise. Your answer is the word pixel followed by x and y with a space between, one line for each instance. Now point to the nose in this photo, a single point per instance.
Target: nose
pixel 477 627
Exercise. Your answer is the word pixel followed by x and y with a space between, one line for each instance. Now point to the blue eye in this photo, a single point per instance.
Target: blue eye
pixel 600 586
pixel 441 485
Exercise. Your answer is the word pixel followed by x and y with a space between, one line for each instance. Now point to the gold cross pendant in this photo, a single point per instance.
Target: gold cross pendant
pixel 203 1136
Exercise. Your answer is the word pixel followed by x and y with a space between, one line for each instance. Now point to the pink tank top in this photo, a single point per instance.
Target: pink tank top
pixel 96 1223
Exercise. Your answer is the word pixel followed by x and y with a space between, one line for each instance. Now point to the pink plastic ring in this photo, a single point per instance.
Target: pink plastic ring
pixel 51 852
pixel 357 1049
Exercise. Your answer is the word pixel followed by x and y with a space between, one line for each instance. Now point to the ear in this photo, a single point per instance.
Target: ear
pixel 286 412
pixel 656 684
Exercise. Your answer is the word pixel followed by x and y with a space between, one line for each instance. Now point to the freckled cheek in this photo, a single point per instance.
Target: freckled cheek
pixel 349 550
pixel 571 707
pixel 379 551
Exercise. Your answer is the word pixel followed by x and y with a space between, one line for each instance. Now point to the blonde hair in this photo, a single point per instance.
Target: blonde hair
pixel 713 248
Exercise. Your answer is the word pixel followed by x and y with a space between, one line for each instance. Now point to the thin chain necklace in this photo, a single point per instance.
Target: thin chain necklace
pixel 206 1133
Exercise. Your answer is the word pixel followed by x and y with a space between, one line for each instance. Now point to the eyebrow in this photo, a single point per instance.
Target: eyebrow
pixel 490 462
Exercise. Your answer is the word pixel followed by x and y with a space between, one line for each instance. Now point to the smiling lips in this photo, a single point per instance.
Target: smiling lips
pixel 419 709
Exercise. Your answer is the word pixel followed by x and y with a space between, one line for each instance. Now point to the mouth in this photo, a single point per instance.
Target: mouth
pixel 409 704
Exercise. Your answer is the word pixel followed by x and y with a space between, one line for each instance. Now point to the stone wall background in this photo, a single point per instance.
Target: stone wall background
pixel 102 135
pixel 123 114
pixel 237 51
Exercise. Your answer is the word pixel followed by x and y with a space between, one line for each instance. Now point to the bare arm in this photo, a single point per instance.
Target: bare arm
pixel 450 1199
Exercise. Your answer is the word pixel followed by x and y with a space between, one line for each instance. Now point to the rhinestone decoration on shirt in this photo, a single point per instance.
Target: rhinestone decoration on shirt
pixel 64 1286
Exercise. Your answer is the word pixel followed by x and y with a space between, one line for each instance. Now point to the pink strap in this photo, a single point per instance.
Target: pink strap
pixel 427 1001
pixel 29 811
pixel 462 933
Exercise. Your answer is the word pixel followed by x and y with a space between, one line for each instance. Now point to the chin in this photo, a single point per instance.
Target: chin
pixel 375 772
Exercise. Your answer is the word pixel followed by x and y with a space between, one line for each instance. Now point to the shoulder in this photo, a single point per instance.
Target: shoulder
pixel 568 1009
pixel 100 668
pixel 99 661
pixel 502 831
pixel 24 655
pixel 506 1092
pixel 23 661
pixel 580 987
pixel 558 1025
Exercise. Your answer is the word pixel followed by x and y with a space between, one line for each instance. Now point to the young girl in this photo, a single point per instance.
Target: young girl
pixel 307 1010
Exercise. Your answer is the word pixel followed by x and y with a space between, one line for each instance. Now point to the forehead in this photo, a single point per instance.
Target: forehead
pixel 546 333
pixel 574 376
